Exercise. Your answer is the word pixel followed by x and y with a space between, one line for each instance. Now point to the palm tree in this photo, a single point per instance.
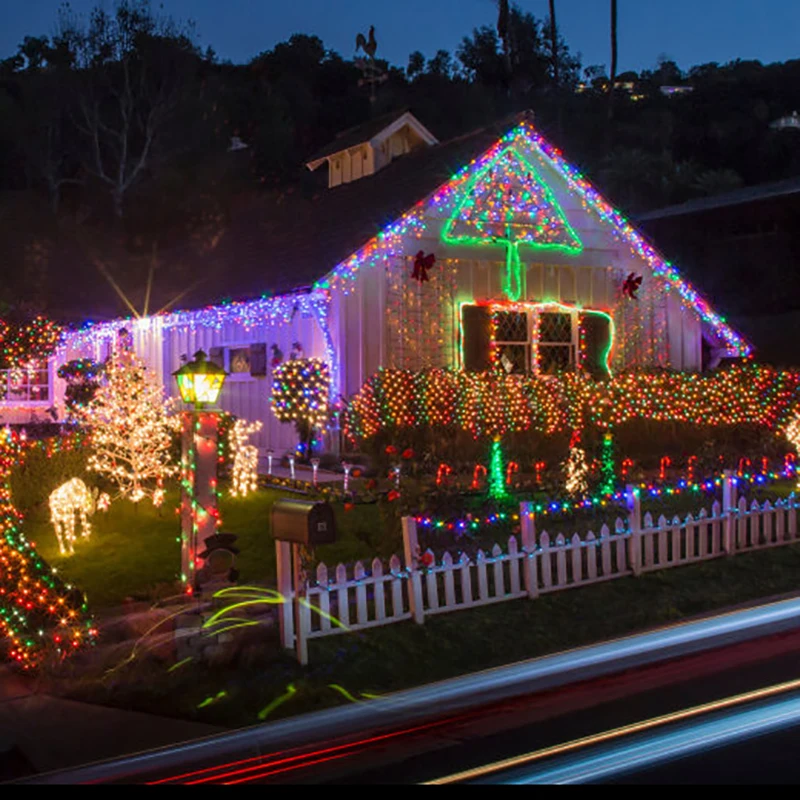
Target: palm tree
pixel 612 78
pixel 554 41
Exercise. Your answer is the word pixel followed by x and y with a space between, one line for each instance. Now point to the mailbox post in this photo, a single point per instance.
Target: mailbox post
pixel 297 523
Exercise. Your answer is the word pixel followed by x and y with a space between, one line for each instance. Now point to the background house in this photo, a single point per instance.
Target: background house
pixel 743 247
pixel 487 250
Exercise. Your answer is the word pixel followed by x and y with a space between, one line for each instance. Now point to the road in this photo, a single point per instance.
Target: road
pixel 434 732
pixel 472 740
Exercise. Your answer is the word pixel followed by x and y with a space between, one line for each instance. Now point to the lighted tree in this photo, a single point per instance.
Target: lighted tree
pixel 301 394
pixel 132 426
pixel 576 469
pixel 506 202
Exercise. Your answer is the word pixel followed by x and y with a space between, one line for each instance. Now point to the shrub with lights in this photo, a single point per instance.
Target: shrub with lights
pixel 301 394
pixel 41 617
pixel 83 380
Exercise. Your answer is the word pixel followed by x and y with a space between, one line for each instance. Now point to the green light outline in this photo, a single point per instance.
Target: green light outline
pixel 513 261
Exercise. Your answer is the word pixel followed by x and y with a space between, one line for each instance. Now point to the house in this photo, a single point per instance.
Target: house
pixel 743 246
pixel 487 250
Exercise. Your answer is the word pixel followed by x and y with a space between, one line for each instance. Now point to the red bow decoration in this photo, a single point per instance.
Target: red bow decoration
pixel 421 266
pixel 631 286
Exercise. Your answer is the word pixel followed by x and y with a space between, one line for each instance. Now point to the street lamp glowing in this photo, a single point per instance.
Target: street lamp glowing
pixel 200 381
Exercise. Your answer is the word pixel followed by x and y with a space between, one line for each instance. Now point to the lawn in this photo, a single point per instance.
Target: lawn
pixel 134 550
pixel 262 681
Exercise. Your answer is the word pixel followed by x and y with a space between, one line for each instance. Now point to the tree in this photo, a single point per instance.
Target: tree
pixel 131 426
pixel 612 78
pixel 133 73
pixel 554 42
pixel 416 65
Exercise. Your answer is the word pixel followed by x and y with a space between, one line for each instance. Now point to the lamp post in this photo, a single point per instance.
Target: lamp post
pixel 199 383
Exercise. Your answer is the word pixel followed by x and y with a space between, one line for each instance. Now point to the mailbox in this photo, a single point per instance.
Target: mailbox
pixel 306 522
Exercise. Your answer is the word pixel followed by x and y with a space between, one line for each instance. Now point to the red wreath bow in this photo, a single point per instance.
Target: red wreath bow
pixel 632 285
pixel 421 266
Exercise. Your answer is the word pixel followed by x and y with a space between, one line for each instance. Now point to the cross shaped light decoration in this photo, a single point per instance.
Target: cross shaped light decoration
pixel 507 203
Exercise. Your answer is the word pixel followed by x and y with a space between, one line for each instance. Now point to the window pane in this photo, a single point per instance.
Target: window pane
pixel 554 359
pixel 513 359
pixel 240 360
pixel 511 326
pixel 554 327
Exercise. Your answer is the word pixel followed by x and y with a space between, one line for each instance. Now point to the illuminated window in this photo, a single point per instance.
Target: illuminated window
pixel 29 384
pixel 239 361
pixel 556 342
pixel 512 342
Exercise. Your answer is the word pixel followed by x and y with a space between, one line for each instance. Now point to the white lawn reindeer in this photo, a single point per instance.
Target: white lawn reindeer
pixel 71 498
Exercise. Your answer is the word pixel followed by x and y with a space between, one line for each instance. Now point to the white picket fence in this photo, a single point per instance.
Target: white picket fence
pixel 341 601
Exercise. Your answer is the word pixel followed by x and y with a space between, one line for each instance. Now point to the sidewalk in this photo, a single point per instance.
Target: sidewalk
pixel 39 733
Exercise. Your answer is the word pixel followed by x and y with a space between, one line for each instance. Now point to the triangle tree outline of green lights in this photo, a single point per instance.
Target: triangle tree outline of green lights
pixel 539 222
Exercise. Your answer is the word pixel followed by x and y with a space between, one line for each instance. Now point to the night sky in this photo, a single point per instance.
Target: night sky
pixel 687 31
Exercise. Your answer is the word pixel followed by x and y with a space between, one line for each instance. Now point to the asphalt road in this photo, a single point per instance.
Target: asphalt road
pixel 446 746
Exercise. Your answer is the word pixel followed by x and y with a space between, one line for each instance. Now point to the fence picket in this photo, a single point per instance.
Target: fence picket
pixel 677 541
pixel 716 529
pixel 605 550
pixel 792 521
pixel 780 521
pixel 767 516
pixel 547 565
pixel 591 556
pixel 324 598
pixel 755 525
pixel 648 547
pixel 577 559
pixel 513 564
pixel 359 574
pixel 483 583
pixel 395 568
pixel 741 525
pixel 342 604
pixel 466 580
pixel 689 527
pixel 622 556
pixel 703 532
pixel 497 572
pixel 380 598
pixel 561 561
pixel 432 585
pixel 449 580
pixel 663 541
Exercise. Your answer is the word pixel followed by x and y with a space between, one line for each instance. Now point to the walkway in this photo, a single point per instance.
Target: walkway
pixel 39 733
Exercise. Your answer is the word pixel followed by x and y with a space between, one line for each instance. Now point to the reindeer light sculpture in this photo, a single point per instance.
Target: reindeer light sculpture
pixel 71 498
pixel 245 458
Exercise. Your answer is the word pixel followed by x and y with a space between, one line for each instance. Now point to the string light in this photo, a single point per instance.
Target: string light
pixel 488 404
pixel 245 457
pixel 132 427
pixel 301 392
pixel 69 499
pixel 39 614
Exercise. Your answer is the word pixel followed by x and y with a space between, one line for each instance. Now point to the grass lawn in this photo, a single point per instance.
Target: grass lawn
pixel 134 550
pixel 387 659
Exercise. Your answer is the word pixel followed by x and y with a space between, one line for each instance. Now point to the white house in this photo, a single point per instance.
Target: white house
pixel 528 268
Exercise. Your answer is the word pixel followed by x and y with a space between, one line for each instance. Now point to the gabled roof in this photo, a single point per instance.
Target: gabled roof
pixel 322 240
pixel 749 194
pixel 368 132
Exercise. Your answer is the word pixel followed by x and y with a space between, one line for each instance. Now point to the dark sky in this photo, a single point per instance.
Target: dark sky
pixel 688 31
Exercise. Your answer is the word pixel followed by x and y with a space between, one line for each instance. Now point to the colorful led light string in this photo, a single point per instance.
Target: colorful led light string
pixel 39 614
pixel 618 498
pixel 488 404
pixel 390 241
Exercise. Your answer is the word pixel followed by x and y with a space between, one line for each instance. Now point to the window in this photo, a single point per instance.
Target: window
pixel 239 361
pixel 556 343
pixel 512 342
pixel 29 384
pixel 523 342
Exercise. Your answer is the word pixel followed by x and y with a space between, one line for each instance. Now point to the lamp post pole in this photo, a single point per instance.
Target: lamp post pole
pixel 200 383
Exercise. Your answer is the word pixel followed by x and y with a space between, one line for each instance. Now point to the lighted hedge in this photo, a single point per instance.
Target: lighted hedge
pixel 489 404
pixel 39 614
